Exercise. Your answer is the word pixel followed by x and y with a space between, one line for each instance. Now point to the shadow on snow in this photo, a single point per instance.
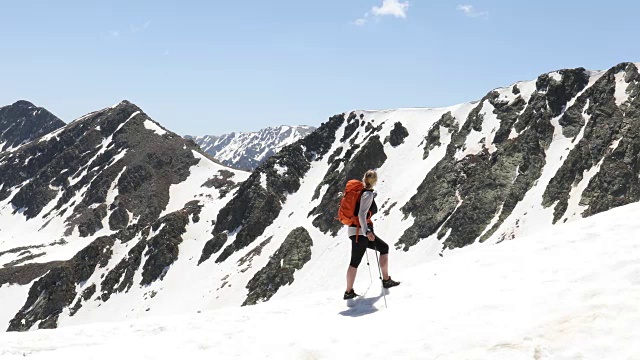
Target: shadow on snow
pixel 363 306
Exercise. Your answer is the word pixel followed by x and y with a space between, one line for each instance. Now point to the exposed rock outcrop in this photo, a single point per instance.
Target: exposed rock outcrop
pixel 292 255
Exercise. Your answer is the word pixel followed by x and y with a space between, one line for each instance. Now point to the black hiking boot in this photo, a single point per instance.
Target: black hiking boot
pixel 350 295
pixel 389 283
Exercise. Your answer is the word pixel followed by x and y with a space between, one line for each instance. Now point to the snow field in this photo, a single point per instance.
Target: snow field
pixel 566 293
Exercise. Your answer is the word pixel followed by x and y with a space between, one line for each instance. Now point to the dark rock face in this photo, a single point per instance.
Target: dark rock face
pixel 397 135
pixel 370 156
pixel 525 156
pixel 507 113
pixel 335 154
pixel 617 181
pixel 264 205
pixel 560 92
pixel 162 249
pixel 438 190
pixel 465 195
pixel 515 90
pixel 56 290
pixel 221 181
pixel 213 246
pixel 120 278
pixel 32 198
pixel 23 122
pixel 432 140
pixel 292 255
pixel 352 125
pixel 88 220
pixel 370 130
pixel 86 295
pixel 24 274
pixel 253 207
pixel 86 158
pixel 119 219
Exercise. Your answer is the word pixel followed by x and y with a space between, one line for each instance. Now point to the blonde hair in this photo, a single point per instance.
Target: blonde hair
pixel 370 179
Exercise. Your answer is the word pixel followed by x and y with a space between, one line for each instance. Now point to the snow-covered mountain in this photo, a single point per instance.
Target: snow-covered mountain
pixel 111 178
pixel 248 150
pixel 563 293
pixel 23 122
pixel 127 220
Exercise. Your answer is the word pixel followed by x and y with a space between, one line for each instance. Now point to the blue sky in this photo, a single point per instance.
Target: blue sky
pixel 212 67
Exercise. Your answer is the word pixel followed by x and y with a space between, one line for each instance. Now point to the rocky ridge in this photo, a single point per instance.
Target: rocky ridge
pixel 194 233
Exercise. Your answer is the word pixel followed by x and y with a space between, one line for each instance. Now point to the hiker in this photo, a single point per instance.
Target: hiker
pixel 362 235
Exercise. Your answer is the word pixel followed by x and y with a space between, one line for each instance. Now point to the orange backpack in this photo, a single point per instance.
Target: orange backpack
pixel 347 211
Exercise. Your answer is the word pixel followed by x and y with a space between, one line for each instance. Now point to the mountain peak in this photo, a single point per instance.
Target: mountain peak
pixel 23 104
pixel 122 103
pixel 22 122
pixel 126 104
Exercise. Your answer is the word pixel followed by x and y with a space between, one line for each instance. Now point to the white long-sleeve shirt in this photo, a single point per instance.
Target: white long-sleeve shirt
pixel 365 204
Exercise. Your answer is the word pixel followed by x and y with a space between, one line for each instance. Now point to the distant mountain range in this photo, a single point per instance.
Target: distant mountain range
pixel 248 150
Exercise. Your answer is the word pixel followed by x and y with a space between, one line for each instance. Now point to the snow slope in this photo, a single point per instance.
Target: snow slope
pixel 188 285
pixel 564 293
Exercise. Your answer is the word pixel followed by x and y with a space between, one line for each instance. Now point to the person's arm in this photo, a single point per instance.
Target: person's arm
pixel 365 203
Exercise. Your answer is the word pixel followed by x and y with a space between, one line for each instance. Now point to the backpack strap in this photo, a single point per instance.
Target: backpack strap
pixel 357 210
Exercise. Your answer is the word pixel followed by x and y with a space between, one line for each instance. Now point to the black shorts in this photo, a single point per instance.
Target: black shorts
pixel 358 248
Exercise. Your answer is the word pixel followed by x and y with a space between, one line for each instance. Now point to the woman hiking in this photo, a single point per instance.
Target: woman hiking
pixel 362 236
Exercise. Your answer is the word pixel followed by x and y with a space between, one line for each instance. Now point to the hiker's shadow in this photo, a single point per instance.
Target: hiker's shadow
pixel 362 306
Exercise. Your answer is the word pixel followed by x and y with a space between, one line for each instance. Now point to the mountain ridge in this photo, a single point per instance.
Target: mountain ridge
pixel 523 158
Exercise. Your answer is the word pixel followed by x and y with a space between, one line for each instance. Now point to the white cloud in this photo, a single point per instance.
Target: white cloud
pixel 393 8
pixel 114 33
pixel 469 11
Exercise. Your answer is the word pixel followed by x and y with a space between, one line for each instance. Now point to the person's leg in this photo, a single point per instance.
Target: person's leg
pixel 381 246
pixel 357 252
pixel 351 277
pixel 384 265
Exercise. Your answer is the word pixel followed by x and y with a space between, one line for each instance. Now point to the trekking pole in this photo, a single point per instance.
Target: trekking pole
pixel 369 265
pixel 380 271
